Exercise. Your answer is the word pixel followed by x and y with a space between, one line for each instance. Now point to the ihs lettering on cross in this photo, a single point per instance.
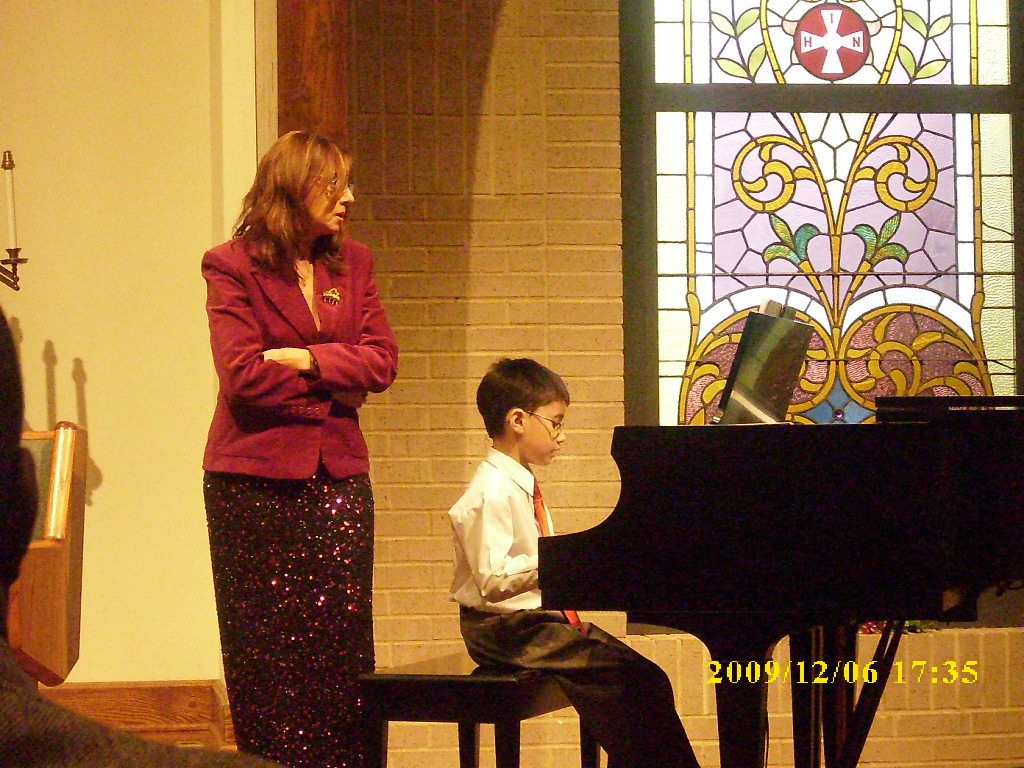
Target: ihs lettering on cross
pixel 832 42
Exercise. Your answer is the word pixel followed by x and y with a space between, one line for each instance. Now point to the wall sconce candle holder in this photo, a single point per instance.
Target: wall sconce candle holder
pixel 9 268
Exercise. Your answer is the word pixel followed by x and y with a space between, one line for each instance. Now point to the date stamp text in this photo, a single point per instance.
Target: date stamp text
pixel 810 672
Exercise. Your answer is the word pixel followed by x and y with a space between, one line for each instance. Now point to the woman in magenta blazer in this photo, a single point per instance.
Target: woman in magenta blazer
pixel 299 338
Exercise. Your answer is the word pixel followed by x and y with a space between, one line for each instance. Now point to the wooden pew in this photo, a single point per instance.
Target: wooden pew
pixel 45 609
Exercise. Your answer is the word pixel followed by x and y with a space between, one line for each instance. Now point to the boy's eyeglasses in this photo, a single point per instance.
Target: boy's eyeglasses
pixel 556 426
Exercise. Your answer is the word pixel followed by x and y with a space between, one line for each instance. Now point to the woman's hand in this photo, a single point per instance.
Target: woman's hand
pixel 301 360
pixel 293 357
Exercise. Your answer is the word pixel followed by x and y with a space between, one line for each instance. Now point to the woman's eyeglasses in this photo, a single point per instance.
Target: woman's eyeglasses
pixel 331 189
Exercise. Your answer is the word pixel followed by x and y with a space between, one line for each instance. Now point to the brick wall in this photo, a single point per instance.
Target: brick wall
pixel 486 136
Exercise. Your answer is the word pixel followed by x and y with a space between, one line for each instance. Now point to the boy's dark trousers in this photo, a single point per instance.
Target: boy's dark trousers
pixel 624 699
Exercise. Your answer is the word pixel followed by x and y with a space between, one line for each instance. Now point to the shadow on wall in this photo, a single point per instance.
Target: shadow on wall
pixel 93 476
pixel 418 75
pixel 418 71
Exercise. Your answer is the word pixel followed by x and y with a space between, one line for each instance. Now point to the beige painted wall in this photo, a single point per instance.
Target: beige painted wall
pixel 133 129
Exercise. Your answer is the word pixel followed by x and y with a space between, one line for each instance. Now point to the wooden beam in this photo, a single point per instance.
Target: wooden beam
pixel 312 54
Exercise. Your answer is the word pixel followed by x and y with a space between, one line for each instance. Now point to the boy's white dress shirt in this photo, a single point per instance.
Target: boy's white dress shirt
pixel 496 537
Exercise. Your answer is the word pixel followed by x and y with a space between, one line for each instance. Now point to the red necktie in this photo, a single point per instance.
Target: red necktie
pixel 545 530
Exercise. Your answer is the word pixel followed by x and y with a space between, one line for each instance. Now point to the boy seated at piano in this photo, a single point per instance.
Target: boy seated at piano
pixel 623 699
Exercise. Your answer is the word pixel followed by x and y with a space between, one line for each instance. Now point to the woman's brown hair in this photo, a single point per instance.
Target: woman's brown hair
pixel 274 216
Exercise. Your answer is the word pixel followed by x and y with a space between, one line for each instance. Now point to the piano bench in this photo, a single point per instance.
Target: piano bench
pixel 453 689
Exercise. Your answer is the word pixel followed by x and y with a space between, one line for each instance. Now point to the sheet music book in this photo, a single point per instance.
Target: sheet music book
pixel 766 369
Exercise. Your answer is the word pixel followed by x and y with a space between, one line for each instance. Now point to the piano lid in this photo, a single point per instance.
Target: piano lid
pixel 765 371
pixel 963 410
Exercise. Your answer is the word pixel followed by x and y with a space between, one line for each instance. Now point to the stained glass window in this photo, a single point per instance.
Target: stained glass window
pixel 853 41
pixel 891 232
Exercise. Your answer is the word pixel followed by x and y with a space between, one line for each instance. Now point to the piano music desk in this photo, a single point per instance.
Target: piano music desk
pixel 453 689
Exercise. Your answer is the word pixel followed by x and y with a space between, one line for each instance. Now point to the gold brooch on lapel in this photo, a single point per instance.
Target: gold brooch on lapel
pixel 331 296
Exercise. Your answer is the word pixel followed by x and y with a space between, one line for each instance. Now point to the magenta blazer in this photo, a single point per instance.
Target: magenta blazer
pixel 269 420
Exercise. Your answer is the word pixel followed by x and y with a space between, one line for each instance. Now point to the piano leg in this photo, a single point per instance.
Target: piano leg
pixel 830 712
pixel 742 720
pixel 742 705
pixel 871 695
pixel 822 712
pixel 806 647
pixel 737 639
pixel 838 694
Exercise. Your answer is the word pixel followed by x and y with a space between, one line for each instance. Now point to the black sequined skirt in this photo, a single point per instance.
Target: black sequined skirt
pixel 293 577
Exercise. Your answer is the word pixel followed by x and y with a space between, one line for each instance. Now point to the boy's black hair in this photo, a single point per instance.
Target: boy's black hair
pixel 519 383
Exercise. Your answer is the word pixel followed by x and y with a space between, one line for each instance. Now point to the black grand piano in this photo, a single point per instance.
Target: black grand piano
pixel 745 534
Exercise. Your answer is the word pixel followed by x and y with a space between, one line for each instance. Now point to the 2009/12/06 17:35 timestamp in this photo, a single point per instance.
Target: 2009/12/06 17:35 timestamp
pixel 947 672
